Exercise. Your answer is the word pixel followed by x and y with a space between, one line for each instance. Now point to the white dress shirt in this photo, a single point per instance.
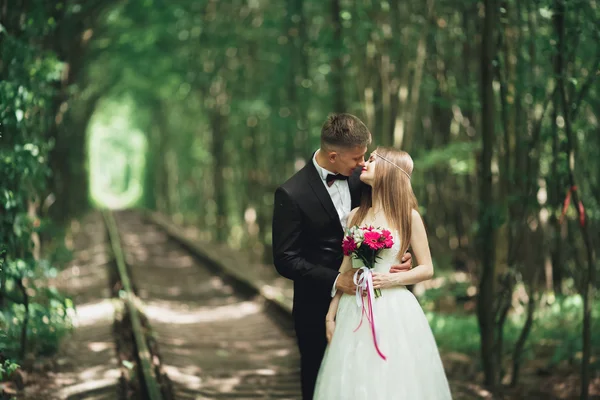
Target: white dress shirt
pixel 339 192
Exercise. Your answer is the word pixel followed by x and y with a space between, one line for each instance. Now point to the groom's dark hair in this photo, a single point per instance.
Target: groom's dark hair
pixel 344 130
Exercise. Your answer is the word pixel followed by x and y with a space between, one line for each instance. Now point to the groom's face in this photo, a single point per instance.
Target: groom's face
pixel 347 160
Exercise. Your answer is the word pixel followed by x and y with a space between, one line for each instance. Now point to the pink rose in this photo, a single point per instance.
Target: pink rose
pixel 388 243
pixel 388 239
pixel 348 245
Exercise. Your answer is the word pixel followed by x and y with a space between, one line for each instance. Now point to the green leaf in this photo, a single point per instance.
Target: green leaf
pixel 546 13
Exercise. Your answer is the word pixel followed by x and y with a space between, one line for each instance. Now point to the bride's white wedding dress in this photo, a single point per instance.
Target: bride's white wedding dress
pixel 353 370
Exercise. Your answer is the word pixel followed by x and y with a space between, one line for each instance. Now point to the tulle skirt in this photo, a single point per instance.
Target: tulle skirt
pixel 353 370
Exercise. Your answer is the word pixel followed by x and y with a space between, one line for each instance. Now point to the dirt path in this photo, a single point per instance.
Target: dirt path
pixel 86 365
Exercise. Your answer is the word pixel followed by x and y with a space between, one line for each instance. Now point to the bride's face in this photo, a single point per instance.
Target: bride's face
pixel 368 172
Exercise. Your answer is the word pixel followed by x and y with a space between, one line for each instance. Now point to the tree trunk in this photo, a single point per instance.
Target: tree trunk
pixel 160 145
pixel 151 159
pixel 387 133
pixel 219 129
pixel 337 67
pixel 487 208
pixel 2 276
pixel 588 284
pixel 23 290
pixel 555 185
pixel 297 36
pixel 590 278
pixel 303 104
pixel 520 345
pixel 412 114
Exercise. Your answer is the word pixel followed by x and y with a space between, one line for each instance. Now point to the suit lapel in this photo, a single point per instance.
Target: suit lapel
pixel 320 191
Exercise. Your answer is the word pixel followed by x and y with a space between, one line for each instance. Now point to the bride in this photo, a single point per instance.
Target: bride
pixel 392 355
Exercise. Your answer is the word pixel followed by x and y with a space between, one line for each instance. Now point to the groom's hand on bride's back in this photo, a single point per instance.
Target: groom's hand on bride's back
pixel 406 264
pixel 345 283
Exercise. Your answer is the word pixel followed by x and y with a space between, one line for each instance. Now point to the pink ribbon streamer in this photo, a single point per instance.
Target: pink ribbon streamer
pixel 364 283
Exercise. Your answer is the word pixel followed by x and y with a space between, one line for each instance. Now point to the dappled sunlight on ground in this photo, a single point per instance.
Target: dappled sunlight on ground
pixel 160 261
pixel 85 389
pixel 169 315
pixel 188 377
pixel 213 342
pixel 97 347
pixel 90 314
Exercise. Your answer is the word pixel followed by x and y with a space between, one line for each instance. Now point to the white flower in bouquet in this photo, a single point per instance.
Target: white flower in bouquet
pixel 358 236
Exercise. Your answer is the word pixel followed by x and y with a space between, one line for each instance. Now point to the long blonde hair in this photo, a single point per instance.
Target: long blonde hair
pixel 393 190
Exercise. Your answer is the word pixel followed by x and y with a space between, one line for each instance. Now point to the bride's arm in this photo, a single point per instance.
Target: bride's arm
pixel 335 301
pixel 420 247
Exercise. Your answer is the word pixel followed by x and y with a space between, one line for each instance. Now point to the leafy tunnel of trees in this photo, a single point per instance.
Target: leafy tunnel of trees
pixel 497 101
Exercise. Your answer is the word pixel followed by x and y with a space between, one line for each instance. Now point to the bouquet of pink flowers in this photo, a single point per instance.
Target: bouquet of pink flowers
pixel 363 244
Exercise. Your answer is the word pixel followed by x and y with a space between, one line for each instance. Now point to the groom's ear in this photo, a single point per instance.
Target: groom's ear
pixel 332 155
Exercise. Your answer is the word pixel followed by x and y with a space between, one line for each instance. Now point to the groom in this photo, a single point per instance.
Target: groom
pixel 309 216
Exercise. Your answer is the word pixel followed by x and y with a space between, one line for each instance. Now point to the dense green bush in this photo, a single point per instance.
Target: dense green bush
pixel 33 317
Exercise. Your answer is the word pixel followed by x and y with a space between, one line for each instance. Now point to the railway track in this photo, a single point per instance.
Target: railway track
pixel 185 331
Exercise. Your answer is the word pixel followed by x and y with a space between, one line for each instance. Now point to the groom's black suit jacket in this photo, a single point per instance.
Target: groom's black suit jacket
pixel 307 243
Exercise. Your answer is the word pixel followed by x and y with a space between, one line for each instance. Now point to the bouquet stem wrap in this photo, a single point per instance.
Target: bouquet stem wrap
pixel 363 279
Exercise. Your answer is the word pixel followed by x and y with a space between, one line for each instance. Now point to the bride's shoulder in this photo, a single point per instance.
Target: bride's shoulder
pixel 416 217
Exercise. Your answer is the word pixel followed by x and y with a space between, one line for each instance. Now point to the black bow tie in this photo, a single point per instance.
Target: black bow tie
pixel 332 178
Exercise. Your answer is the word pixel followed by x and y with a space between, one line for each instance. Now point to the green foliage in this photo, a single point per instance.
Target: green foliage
pixel 555 337
pixel 50 320
pixel 457 157
pixel 452 289
pixel 24 174
pixel 29 304
pixel 33 317
pixel 559 327
pixel 455 332
pixel 7 369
